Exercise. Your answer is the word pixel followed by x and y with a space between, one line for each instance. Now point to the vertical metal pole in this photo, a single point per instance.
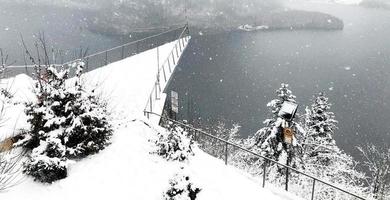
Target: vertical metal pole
pixel 173 57
pixel 165 77
pixel 87 63
pixel 123 52
pixel 155 89
pixel 106 58
pixel 287 179
pixel 195 135
pixel 312 190
pixel 177 53
pixel 226 153
pixel 264 172
pixel 169 66
pixel 151 102
pixel 158 60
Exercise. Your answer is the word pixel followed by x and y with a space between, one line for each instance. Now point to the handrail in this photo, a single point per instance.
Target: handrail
pixel 258 155
pixel 107 51
pixel 127 44
pixel 178 47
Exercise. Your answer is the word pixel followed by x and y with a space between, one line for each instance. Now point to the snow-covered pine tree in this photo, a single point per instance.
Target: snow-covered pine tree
pixel 320 125
pixel 268 141
pixel 66 123
pixel 174 144
pixel 322 157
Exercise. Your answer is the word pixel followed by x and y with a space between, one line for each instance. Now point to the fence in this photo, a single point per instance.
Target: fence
pixel 196 133
pixel 165 70
pixel 108 56
pixel 114 54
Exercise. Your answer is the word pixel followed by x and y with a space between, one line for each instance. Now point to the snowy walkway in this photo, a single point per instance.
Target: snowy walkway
pixel 126 169
pixel 128 83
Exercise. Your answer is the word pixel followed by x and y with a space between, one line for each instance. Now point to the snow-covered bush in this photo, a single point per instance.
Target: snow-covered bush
pixel 174 144
pixel 216 147
pixel 10 159
pixel 377 161
pixel 10 168
pixel 67 122
pixel 181 188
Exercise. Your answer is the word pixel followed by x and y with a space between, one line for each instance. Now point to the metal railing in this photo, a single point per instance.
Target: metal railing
pixel 166 69
pixel 195 133
pixel 117 53
pixel 114 54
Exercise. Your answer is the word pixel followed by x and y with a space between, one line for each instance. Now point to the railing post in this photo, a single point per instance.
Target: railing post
pixel 156 91
pixel 195 135
pixel 165 77
pixel 177 53
pixel 286 179
pixel 151 102
pixel 180 48
pixel 123 52
pixel 312 190
pixel 264 172
pixel 173 58
pixel 106 58
pixel 86 63
pixel 169 65
pixel 226 153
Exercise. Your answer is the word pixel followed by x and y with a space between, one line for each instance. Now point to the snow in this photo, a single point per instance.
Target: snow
pixel 126 169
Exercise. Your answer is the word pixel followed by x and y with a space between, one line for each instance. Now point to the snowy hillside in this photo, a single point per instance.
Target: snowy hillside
pixel 126 169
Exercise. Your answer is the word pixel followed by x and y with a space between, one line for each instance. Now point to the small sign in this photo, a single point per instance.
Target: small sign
pixel 175 101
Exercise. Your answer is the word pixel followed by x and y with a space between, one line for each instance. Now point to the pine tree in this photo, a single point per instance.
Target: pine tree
pixel 66 123
pixel 320 124
pixel 269 141
pixel 322 157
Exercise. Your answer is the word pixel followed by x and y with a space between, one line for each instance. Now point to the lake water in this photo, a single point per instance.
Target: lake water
pixel 231 76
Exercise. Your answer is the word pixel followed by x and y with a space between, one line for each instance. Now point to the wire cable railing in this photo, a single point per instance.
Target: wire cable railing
pixel 195 134
pixel 121 52
pixel 165 70
pixel 117 53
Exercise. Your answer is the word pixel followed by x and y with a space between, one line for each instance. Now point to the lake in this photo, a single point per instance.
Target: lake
pixel 231 76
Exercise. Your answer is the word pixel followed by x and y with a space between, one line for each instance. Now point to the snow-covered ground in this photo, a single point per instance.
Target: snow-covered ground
pixel 126 169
